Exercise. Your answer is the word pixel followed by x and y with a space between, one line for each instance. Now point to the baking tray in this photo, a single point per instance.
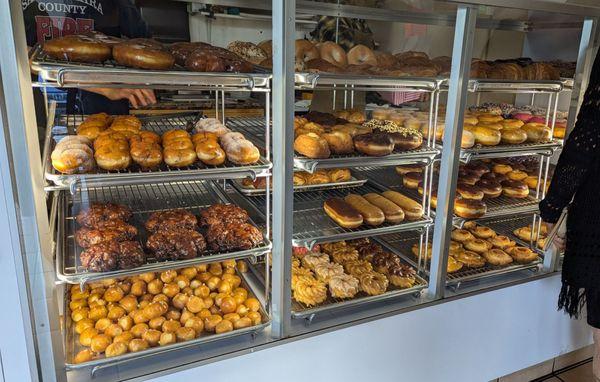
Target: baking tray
pixel 332 304
pixel 67 124
pixel 404 241
pixel 504 86
pixel 251 191
pixel 341 81
pixel 502 151
pixel 312 225
pixel 423 154
pixel 63 74
pixel 143 200
pixel 72 346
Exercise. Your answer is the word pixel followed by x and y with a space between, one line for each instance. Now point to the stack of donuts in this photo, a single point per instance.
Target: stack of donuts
pixel 345 269
pixel 236 147
pixel 477 181
pixel 373 138
pixel 119 141
pixel 178 148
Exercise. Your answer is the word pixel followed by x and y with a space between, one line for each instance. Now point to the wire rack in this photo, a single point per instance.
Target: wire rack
pixel 403 243
pixel 501 151
pixel 251 191
pixel 423 154
pixel 312 225
pixel 506 226
pixel 331 304
pixel 67 125
pixel 71 74
pixel 251 127
pixel 365 82
pixel 142 200
pixel 72 345
pixel 388 177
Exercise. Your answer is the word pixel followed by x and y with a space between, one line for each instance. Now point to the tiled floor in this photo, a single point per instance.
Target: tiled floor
pixel 580 373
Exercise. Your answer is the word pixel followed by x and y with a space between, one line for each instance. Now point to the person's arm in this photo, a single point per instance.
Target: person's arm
pixel 581 149
pixel 137 97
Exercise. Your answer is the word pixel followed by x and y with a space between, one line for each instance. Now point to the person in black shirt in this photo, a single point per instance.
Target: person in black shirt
pixel 47 19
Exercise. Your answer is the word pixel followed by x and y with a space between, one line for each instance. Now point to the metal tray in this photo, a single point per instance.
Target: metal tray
pixel 312 225
pixel 504 86
pixel 349 82
pixel 251 191
pixel 501 151
pixel 332 304
pixel 403 243
pixel 425 155
pixel 143 200
pixel 67 124
pixel 72 346
pixel 504 206
pixel 68 74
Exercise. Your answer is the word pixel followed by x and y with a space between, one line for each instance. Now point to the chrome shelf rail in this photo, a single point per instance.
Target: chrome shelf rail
pixel 67 75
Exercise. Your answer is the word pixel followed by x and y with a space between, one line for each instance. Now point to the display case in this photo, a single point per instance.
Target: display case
pixel 295 232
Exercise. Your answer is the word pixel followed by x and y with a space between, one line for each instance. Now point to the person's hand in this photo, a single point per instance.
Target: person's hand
pixel 559 240
pixel 136 97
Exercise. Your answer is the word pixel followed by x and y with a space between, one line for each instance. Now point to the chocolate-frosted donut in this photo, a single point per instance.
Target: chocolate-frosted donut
pixel 469 209
pixel 468 191
pixel 374 144
pixel 143 54
pixel 412 179
pixel 490 187
pixel 515 189
pixel 477 168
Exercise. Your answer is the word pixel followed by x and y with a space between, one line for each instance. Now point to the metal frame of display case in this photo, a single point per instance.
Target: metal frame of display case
pixel 20 136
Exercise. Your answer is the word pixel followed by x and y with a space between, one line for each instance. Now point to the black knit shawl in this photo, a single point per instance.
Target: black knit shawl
pixel 577 181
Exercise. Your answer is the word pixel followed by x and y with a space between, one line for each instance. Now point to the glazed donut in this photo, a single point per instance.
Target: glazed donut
pixel 305 51
pixel 502 242
pixel 111 157
pixel 489 118
pixel 143 54
pixel 467 191
pixel 537 132
pixel 453 265
pixel 510 124
pixel 477 245
pixel 333 53
pixel 454 247
pixel 360 55
pixel 482 232
pixel 515 189
pixel 502 169
pixel 412 179
pixel 517 175
pixel 469 209
pixel 490 188
pixel 470 120
pixel 522 255
pixel 513 136
pixel 79 48
pixel 462 235
pixel 467 140
pixel 532 182
pixel 497 257
pixel 486 136
pixel 179 157
pixel 470 259
pixel 490 125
